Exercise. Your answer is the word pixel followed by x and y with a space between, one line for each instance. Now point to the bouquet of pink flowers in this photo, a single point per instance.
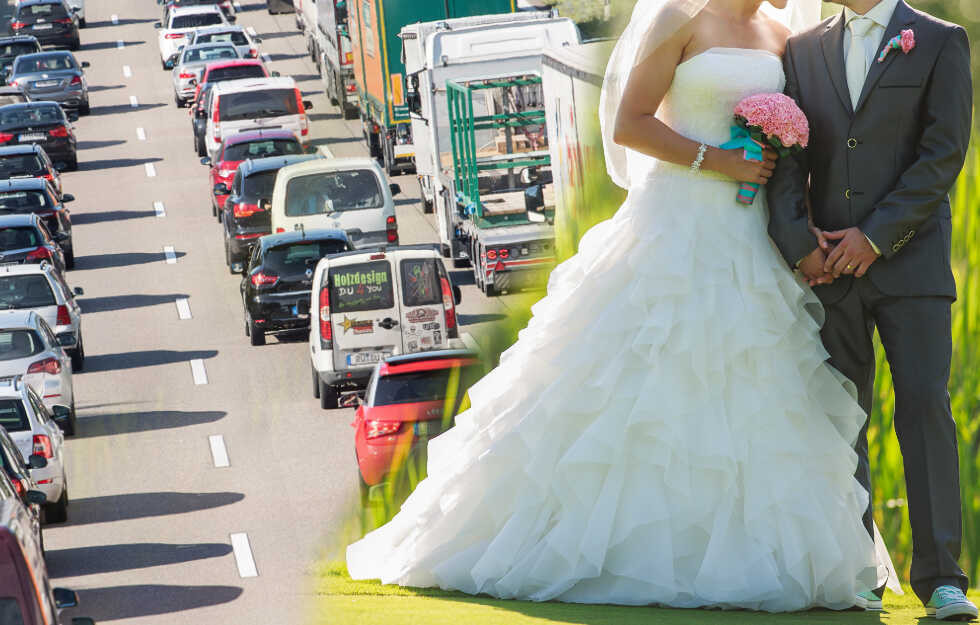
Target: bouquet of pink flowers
pixel 767 120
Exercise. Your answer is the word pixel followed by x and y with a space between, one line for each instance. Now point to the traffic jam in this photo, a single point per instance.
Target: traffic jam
pixel 351 204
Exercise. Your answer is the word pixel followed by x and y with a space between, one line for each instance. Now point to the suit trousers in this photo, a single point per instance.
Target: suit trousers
pixel 916 333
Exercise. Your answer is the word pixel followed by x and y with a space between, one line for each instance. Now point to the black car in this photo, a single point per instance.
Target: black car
pixel 199 118
pixel 12 47
pixel 42 123
pixel 280 276
pixel 25 239
pixel 28 160
pixel 36 195
pixel 19 474
pixel 53 22
pixel 245 221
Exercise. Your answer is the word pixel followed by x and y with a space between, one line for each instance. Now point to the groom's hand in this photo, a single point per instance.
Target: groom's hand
pixel 812 268
pixel 852 255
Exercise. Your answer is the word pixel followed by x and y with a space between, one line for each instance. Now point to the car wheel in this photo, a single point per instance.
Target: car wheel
pixel 75 45
pixel 178 102
pixel 229 257
pixel 70 257
pixel 316 384
pixel 85 109
pixel 78 357
pixel 328 396
pixel 70 426
pixel 82 23
pixel 57 512
pixel 200 147
pixel 256 334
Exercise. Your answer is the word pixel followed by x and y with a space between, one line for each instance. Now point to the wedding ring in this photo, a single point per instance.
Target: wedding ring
pixel 849 267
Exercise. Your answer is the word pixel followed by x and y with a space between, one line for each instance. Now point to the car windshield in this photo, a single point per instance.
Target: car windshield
pixel 195 20
pixel 421 386
pixel 19 238
pixel 235 72
pixel 235 38
pixel 16 344
pixel 26 291
pixel 24 201
pixel 47 10
pixel 333 191
pixel 210 53
pixel 13 417
pixel 46 63
pixel 21 165
pixel 260 185
pixel 20 116
pixel 361 286
pixel 16 48
pixel 296 257
pixel 261 149
pixel 258 103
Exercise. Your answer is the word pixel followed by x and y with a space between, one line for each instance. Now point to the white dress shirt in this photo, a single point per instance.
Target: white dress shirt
pixel 881 15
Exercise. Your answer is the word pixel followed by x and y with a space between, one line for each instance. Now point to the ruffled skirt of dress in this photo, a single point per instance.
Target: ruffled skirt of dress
pixel 664 431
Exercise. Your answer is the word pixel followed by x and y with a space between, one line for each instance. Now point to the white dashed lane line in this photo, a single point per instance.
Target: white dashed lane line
pixel 183 308
pixel 151 171
pixel 133 102
pixel 243 555
pixel 170 254
pixel 199 372
pixel 141 134
pixel 159 208
pixel 127 71
pixel 219 453
pixel 120 43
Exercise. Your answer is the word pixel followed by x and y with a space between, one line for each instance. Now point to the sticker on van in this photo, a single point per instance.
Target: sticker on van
pixel 359 326
pixel 364 286
pixel 422 315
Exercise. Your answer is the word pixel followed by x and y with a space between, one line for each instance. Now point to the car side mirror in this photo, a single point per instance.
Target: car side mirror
pixel 395 188
pixel 67 197
pixel 275 74
pixel 61 237
pixel 76 9
pixel 169 63
pixel 414 101
pixel 303 307
pixel 265 204
pixel 457 294
pixel 86 64
pixel 157 25
pixel 206 161
pixel 61 415
pixel 66 340
pixel 78 290
pixel 64 598
pixel 192 81
pixel 37 461
pixel 307 104
pixel 232 18
pixel 257 39
pixel 36 497
pixel 221 189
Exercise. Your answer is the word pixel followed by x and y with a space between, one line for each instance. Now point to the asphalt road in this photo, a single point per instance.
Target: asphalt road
pixel 158 533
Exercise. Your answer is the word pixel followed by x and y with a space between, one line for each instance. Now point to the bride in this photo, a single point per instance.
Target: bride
pixel 665 430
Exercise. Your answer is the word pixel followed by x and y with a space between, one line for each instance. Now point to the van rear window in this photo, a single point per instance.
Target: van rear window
pixel 27 291
pixel 195 20
pixel 235 72
pixel 420 282
pixel 364 286
pixel 12 415
pixel 328 192
pixel 258 103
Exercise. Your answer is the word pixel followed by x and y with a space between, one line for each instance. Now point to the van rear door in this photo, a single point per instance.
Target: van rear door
pixel 364 312
pixel 423 315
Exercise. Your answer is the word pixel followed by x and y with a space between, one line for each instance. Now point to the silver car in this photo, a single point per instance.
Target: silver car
pixel 190 66
pixel 237 36
pixel 53 76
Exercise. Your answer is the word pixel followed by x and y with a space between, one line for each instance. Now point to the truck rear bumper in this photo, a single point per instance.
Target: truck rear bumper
pixel 520 274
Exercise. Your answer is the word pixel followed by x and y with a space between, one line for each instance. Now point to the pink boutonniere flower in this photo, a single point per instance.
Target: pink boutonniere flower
pixel 904 42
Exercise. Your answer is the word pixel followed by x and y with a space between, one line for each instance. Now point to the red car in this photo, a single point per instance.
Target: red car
pixel 241 147
pixel 232 70
pixel 405 404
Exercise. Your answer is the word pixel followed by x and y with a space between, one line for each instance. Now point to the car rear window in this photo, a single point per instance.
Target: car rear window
pixel 54 10
pixel 362 286
pixel 46 63
pixel 16 344
pixel 21 165
pixel 258 103
pixel 24 202
pixel 235 38
pixel 409 388
pixel 328 192
pixel 20 116
pixel 16 48
pixel 420 282
pixel 13 417
pixel 18 238
pixel 27 291
pixel 261 149
pixel 235 72
pixel 195 20
pixel 260 185
pixel 216 53
pixel 294 257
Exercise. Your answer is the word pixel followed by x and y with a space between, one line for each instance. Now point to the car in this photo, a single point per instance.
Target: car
pixel 279 276
pixel 352 194
pixel 25 239
pixel 52 22
pixel 374 304
pixel 28 160
pixel 255 104
pixel 38 196
pixel 28 348
pixel 224 5
pixel 41 123
pixel 237 36
pixel 179 24
pixel 42 289
pixel 55 76
pixel 213 74
pixel 243 220
pixel 189 63
pixel 409 400
pixel 12 47
pixel 36 430
pixel 242 146
pixel 21 480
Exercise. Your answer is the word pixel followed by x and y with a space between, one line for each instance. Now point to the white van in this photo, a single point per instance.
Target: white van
pixel 371 304
pixel 256 104
pixel 350 194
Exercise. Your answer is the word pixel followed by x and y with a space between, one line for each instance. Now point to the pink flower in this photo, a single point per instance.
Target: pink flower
pixel 908 40
pixel 776 115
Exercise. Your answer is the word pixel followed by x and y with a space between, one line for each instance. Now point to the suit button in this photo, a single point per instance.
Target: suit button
pixel 852 143
pixel 847 193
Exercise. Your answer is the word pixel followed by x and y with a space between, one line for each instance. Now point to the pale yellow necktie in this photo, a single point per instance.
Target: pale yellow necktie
pixel 857 57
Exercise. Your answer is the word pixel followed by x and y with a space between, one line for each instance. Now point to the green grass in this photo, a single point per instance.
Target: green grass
pixel 347 602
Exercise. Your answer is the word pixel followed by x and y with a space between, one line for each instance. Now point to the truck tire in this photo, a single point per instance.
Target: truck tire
pixel 351 112
pixel 333 89
pixel 57 512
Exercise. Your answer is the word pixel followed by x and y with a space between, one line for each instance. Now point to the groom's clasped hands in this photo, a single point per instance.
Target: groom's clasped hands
pixel 839 252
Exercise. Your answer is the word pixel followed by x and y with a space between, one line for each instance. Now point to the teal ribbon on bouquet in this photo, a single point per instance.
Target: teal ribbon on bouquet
pixel 741 138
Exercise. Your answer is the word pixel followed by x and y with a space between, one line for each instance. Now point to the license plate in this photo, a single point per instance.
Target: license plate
pixel 32 136
pixel 428 428
pixel 46 83
pixel 43 26
pixel 366 358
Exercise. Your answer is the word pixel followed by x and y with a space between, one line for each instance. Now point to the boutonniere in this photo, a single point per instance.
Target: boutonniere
pixel 904 42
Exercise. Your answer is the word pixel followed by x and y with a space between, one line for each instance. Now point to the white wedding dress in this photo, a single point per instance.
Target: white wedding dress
pixel 665 430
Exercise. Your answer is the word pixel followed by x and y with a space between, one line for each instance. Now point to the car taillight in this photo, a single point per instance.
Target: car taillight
pixel 17 25
pixel 75 80
pixel 226 173
pixel 63 317
pixel 48 176
pixel 491 254
pixel 42 445
pixel 241 209
pixel 253 53
pixel 280 230
pixel 18 487
pixel 449 305
pixel 246 237
pixel 377 429
pixel 261 279
pixel 41 253
pixel 391 229
pixel 304 123
pixel 351 88
pixel 64 20
pixel 174 36
pixel 60 131
pixel 48 365
pixel 5 137
pixel 326 330
pixel 187 75
pixel 215 119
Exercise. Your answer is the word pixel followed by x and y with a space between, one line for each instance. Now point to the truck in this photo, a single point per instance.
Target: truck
pixel 481 146
pixel 329 44
pixel 379 73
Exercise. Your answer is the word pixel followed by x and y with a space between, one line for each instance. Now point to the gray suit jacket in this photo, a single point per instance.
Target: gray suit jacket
pixel 887 167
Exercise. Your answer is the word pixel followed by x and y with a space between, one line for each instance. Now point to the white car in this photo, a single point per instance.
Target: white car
pixel 78 7
pixel 42 288
pixel 248 46
pixel 181 22
pixel 28 348
pixel 36 430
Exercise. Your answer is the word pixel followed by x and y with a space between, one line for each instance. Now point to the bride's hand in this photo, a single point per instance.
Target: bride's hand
pixel 733 164
pixel 825 245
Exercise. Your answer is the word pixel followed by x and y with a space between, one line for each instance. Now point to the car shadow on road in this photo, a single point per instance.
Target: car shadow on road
pixel 462 277
pixel 277 35
pixel 144 358
pixel 116 109
pixel 254 6
pixel 304 77
pixel 112 603
pixel 129 506
pixel 286 57
pixel 108 45
pixel 112 163
pixel 97 218
pixel 91 145
pixel 320 117
pixel 121 259
pixel 125 302
pixel 110 558
pixel 110 424
pixel 467 320
pixel 96 88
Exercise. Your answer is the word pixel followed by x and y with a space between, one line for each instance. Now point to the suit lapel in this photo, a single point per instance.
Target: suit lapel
pixel 901 19
pixel 832 42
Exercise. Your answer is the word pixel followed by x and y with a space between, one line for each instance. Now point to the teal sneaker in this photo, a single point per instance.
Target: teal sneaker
pixel 948 603
pixel 867 600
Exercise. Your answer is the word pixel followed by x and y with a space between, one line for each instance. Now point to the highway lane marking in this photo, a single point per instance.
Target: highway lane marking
pixel 120 43
pixel 150 170
pixel 170 254
pixel 141 134
pixel 127 71
pixel 114 18
pixel 198 371
pixel 243 555
pixel 219 453
pixel 160 210
pixel 133 102
pixel 183 308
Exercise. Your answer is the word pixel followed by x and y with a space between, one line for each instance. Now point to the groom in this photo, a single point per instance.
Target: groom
pixel 888 139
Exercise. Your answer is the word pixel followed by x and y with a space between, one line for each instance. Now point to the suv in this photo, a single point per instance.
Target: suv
pixel 29 348
pixel 28 160
pixel 53 76
pixel 42 288
pixel 12 47
pixel 24 239
pixel 52 22
pixel 213 74
pixel 38 196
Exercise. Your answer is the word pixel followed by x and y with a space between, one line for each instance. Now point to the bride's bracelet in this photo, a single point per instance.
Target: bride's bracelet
pixel 696 165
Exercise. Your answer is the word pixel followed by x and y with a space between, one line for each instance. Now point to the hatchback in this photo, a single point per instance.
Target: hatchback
pixel 21 479
pixel 25 239
pixel 12 47
pixel 28 160
pixel 44 124
pixel 52 22
pixel 54 77
pixel 180 22
pixel 29 348
pixel 189 64
pixel 25 196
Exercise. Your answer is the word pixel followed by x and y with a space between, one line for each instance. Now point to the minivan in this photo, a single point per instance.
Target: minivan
pixel 372 304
